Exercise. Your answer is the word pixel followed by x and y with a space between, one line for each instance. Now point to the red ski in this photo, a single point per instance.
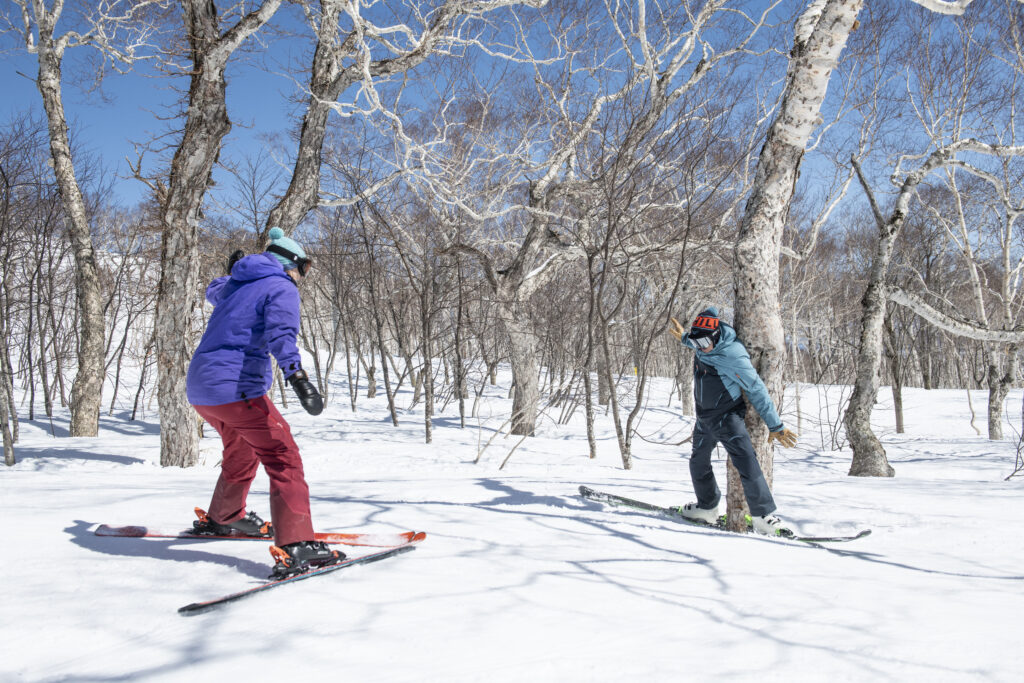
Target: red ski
pixel 370 540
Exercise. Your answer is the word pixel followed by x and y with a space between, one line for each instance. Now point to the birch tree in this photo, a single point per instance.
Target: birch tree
pixel 868 454
pixel 585 137
pixel 951 101
pixel 210 45
pixel 355 46
pixel 119 30
pixel 821 34
pixel 18 144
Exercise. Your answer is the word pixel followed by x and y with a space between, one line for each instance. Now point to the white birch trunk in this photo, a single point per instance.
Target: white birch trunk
pixel 869 459
pixel 1002 370
pixel 821 34
pixel 5 401
pixel 87 389
pixel 524 352
pixel 604 388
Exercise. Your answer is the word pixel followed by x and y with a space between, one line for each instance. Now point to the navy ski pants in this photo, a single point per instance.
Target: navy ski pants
pixel 729 430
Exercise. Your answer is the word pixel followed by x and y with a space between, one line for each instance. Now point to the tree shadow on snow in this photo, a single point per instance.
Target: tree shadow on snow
pixel 511 500
pixel 122 423
pixel 37 454
pixel 554 510
pixel 57 426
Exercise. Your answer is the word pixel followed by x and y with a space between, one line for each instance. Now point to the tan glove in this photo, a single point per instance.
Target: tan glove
pixel 675 329
pixel 786 438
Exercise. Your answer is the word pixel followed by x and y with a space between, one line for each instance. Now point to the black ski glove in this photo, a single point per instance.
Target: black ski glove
pixel 234 258
pixel 309 397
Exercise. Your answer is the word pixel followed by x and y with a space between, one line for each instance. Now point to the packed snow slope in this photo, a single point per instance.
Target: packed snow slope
pixel 519 579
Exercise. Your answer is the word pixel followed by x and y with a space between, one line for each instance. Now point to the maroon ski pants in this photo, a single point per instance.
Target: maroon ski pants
pixel 254 432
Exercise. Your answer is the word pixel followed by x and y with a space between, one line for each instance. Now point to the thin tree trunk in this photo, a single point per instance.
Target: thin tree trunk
pixel 428 368
pixel 896 371
pixel 624 447
pixel 869 459
pixel 794 375
pixel 384 370
pixel 142 377
pixel 588 363
pixel 353 389
pixel 588 411
pixel 44 374
pixel 7 414
pixel 378 324
pixel 460 366
pixel 29 361
pixel 117 369
pixel 604 384
pixel 371 375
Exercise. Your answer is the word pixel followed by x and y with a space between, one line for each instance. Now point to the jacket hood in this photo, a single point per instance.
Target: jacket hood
pixel 247 269
pixel 256 266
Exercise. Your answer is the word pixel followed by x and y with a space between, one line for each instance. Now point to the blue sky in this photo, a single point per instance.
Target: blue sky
pixel 128 110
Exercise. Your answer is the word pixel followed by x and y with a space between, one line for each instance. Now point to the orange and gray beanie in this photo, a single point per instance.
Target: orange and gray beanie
pixel 706 324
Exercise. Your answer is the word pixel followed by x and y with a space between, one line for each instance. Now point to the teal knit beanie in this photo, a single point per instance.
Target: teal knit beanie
pixel 277 237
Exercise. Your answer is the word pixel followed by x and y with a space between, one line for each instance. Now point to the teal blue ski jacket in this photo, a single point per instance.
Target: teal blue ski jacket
pixel 732 362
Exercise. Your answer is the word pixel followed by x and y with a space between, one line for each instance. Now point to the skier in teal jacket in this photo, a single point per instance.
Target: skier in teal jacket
pixel 724 380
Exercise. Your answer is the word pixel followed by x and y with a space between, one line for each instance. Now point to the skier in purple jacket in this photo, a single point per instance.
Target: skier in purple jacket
pixel 256 313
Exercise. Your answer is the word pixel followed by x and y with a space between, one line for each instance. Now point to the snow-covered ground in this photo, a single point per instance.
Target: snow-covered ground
pixel 520 579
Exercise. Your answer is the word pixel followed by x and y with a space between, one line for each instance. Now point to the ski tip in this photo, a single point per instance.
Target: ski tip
pixel 585 490
pixel 417 536
pixel 193 609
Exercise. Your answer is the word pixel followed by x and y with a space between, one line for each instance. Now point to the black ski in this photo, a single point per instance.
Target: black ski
pixel 613 499
pixel 207 605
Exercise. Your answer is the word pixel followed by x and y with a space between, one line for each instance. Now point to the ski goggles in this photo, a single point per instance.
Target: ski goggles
pixel 703 343
pixel 301 262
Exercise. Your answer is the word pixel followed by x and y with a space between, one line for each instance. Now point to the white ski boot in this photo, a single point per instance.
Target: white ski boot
pixel 695 512
pixel 769 524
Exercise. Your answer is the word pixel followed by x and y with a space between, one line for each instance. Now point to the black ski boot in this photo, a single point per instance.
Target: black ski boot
pixel 299 558
pixel 250 525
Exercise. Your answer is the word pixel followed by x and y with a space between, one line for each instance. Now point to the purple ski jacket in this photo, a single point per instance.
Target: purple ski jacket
pixel 256 312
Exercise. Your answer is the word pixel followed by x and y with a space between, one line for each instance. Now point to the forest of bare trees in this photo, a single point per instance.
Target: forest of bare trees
pixel 533 185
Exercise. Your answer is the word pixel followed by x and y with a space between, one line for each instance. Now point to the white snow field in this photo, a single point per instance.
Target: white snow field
pixel 519 579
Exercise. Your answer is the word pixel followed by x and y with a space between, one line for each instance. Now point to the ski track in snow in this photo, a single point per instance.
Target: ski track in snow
pixel 519 578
